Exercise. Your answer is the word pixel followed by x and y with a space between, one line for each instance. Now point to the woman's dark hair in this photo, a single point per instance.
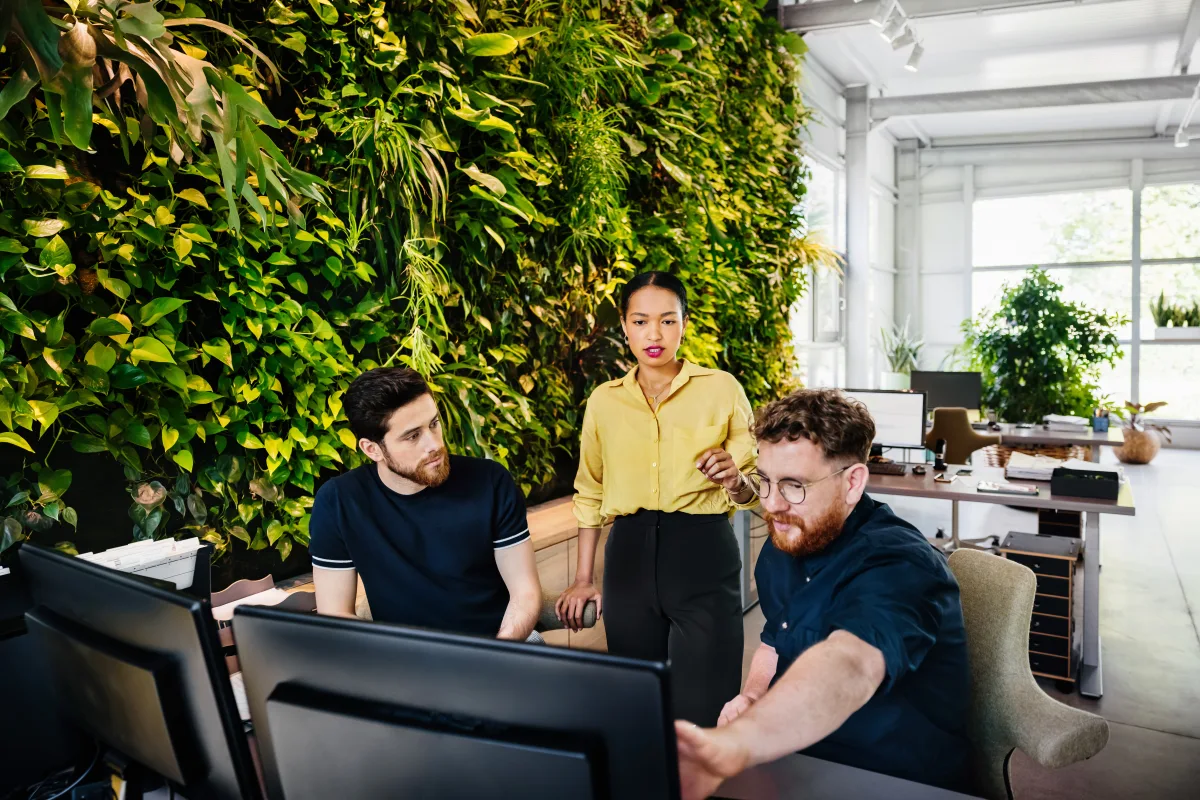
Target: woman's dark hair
pixel 376 394
pixel 663 280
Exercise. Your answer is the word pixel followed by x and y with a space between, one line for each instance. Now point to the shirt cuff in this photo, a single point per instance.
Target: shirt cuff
pixel 506 542
pixel 588 516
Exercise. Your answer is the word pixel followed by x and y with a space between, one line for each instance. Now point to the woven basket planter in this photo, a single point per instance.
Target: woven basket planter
pixel 999 454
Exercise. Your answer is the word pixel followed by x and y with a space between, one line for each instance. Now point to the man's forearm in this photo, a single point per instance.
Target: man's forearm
pixel 520 618
pixel 762 670
pixel 815 696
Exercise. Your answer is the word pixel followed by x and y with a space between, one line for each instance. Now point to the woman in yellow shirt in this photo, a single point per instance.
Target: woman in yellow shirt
pixel 663 455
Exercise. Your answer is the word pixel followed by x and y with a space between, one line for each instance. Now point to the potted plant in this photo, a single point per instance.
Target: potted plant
pixel 1175 321
pixel 1040 354
pixel 903 351
pixel 1142 439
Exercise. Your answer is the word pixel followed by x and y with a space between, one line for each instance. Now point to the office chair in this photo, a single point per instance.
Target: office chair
pixel 954 425
pixel 1008 708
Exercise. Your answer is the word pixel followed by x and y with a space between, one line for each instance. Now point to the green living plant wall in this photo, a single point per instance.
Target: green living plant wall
pixel 189 285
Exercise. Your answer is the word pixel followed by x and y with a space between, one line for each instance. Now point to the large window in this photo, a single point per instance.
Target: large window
pixel 1085 241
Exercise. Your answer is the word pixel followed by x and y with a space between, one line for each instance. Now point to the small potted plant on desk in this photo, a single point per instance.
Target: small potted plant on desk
pixel 903 351
pixel 1142 439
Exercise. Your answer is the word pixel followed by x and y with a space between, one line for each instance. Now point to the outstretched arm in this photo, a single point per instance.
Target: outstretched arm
pixel 517 568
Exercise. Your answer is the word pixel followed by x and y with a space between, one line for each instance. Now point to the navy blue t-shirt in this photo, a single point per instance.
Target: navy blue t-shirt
pixel 426 559
pixel 883 582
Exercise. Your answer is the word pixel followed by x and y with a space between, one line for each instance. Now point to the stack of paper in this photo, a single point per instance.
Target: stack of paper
pixel 166 559
pixel 1063 422
pixel 1022 466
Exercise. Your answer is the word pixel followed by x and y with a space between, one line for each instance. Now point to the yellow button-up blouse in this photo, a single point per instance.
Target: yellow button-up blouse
pixel 634 458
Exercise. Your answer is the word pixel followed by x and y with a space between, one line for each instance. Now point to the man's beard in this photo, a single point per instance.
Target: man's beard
pixel 423 474
pixel 807 538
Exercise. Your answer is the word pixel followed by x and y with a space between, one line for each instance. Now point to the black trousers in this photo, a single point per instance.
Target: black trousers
pixel 672 591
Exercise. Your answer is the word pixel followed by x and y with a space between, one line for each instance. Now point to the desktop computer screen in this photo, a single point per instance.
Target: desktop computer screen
pixel 899 416
pixel 138 666
pixel 350 708
pixel 950 389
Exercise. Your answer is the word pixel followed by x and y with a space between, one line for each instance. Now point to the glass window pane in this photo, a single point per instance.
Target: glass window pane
pixel 1171 373
pixel 827 297
pixel 1178 284
pixel 1171 221
pixel 1116 382
pixel 1053 229
pixel 820 201
pixel 1099 288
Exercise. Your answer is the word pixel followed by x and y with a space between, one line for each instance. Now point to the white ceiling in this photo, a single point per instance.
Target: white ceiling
pixel 1018 48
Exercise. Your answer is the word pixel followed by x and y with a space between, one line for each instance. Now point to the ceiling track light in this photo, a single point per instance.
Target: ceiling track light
pixel 895 25
pixel 883 12
pixel 904 39
pixel 914 58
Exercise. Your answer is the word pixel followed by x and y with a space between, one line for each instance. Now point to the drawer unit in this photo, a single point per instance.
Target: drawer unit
pixel 1052 606
pixel 1052 624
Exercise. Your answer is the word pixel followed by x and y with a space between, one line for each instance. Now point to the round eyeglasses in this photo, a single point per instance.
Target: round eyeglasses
pixel 791 491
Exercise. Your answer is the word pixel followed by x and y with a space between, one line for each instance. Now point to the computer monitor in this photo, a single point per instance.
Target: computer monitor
pixel 350 708
pixel 950 389
pixel 138 665
pixel 899 416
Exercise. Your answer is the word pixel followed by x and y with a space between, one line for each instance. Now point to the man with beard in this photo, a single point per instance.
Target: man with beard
pixel 863 658
pixel 441 541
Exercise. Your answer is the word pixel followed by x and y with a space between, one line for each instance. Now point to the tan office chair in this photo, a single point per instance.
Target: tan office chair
pixel 1008 708
pixel 954 425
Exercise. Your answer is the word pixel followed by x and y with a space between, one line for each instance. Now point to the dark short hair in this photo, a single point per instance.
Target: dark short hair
pixel 841 426
pixel 663 280
pixel 376 394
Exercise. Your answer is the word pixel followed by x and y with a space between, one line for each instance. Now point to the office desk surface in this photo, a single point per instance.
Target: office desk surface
pixel 799 776
pixel 1013 436
pixel 963 488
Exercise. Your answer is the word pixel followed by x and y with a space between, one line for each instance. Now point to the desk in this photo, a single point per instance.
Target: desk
pixel 799 776
pixel 1012 436
pixel 963 489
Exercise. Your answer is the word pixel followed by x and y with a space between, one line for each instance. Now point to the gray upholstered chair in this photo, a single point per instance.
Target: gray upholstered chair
pixel 1009 710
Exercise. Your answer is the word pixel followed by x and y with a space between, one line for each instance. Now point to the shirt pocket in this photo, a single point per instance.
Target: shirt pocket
pixel 688 445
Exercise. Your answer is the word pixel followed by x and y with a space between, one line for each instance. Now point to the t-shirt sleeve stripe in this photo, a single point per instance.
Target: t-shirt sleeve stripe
pixel 510 538
pixel 511 541
pixel 331 563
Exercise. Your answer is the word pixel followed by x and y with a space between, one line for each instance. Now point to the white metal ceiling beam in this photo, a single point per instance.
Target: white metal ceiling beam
pixel 1056 152
pixel 1175 87
pixel 848 13
pixel 1188 39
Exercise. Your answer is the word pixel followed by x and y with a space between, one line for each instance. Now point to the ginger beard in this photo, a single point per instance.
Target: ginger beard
pixel 424 473
pixel 807 537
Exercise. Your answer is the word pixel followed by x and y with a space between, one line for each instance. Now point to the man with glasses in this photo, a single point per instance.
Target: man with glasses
pixel 863 658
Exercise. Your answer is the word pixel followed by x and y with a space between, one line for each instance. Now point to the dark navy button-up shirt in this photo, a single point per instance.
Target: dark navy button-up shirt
pixel 883 582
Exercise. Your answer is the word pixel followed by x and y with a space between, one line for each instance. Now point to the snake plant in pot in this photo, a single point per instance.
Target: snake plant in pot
pixel 903 351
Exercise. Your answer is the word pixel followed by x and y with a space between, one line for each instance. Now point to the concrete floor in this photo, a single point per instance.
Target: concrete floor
pixel 1149 603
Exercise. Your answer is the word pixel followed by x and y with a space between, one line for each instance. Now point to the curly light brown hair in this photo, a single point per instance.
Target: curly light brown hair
pixel 841 426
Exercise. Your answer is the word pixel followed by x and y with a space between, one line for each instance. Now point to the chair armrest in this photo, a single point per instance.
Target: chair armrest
pixel 1054 734
pixel 549 621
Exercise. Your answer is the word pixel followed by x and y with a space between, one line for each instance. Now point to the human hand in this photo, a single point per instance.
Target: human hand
pixel 718 467
pixel 734 709
pixel 570 604
pixel 707 757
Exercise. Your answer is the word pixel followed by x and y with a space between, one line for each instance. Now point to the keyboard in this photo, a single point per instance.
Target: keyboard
pixel 886 468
